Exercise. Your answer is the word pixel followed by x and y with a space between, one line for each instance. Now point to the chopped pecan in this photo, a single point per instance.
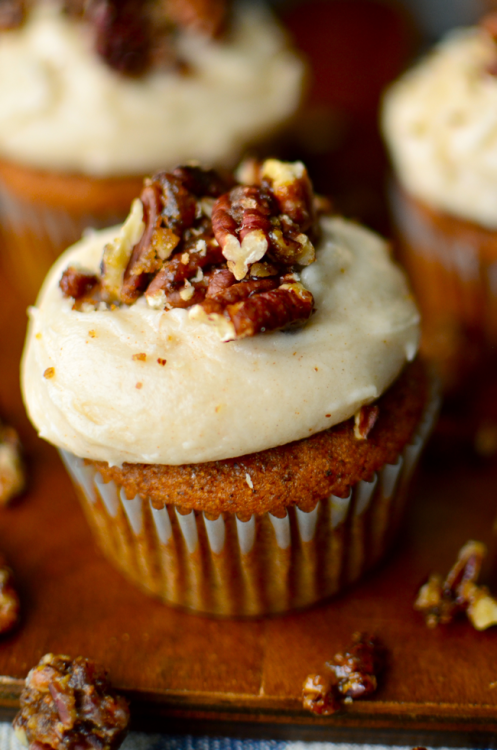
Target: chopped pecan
pixel 67 704
pixel 12 475
pixel 365 420
pixel 77 283
pixel 356 668
pixel 117 253
pixel 12 14
pixel 134 278
pixel 289 304
pixel 292 189
pixel 440 601
pixel 203 16
pixel 319 695
pixel 9 600
pixel 122 34
pixel 241 224
pixel 353 675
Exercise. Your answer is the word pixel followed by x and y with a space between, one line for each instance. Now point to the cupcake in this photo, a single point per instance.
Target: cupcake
pixel 439 124
pixel 230 378
pixel 95 95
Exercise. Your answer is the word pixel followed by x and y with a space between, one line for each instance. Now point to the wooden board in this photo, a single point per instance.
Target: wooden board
pixel 190 672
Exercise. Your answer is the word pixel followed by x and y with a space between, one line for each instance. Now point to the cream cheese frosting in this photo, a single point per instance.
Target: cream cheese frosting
pixel 140 385
pixel 64 109
pixel 440 122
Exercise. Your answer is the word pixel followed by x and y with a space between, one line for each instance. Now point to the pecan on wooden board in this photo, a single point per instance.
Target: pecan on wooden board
pixel 67 704
pixel 351 674
pixel 441 600
pixel 12 472
pixel 9 600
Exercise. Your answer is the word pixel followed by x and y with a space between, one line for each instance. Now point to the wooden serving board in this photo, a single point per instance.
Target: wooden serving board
pixel 192 673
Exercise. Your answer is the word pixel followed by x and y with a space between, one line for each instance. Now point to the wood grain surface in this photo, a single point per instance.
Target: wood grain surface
pixel 187 671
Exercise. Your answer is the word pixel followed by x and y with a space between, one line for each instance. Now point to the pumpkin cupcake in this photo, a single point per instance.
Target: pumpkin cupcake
pixel 440 126
pixel 229 377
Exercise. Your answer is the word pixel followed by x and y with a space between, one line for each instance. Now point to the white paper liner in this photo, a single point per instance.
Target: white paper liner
pixel 279 563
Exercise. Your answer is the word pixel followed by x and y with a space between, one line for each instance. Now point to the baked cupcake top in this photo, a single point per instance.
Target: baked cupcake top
pixel 440 123
pixel 94 91
pixel 221 319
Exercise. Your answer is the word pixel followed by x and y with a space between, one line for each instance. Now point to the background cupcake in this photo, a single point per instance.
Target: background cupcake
pixel 197 430
pixel 439 123
pixel 95 95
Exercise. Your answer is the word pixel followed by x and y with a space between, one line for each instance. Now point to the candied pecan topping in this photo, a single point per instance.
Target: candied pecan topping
pixel 67 704
pixel 194 240
pixel 9 599
pixel 76 283
pixel 12 14
pixel 122 34
pixel 365 420
pixel 440 601
pixel 12 475
pixel 319 695
pixel 204 16
pixel 353 675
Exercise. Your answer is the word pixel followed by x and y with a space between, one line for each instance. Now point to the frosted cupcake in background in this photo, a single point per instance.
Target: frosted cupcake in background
pixel 440 124
pixel 230 377
pixel 97 94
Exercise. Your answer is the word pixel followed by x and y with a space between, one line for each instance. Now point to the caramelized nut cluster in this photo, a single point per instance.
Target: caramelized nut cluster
pixel 9 599
pixel 440 601
pixel 352 674
pixel 133 37
pixel 230 252
pixel 66 704
pixel 12 478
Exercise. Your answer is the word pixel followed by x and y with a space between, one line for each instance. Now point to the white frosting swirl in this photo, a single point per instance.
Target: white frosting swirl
pixel 440 122
pixel 63 108
pixel 213 400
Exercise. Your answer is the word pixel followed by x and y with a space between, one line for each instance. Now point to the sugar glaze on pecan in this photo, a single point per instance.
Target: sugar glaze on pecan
pixel 230 252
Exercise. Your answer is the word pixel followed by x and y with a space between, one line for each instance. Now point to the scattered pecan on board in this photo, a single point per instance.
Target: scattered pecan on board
pixel 9 599
pixel 12 473
pixel 67 704
pixel 441 600
pixel 351 674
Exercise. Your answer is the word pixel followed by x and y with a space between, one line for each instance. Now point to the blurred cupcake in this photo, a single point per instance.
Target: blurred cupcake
pixel 440 125
pixel 96 94
pixel 226 377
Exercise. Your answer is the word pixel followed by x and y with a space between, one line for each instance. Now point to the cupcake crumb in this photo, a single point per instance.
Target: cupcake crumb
pixel 141 357
pixel 92 334
pixel 139 385
pixel 49 373
pixel 161 361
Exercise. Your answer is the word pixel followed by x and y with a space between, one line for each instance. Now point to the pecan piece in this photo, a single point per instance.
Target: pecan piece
pixel 241 225
pixel 122 34
pixel 440 601
pixel 319 695
pixel 9 600
pixel 117 253
pixel 356 668
pixel 289 304
pixel 67 704
pixel 365 420
pixel 203 16
pixel 77 283
pixel 292 189
pixel 12 14
pixel 12 475
pixel 134 279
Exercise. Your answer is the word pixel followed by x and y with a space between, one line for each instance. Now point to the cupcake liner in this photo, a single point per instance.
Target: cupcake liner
pixel 264 565
pixel 452 264
pixel 37 227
